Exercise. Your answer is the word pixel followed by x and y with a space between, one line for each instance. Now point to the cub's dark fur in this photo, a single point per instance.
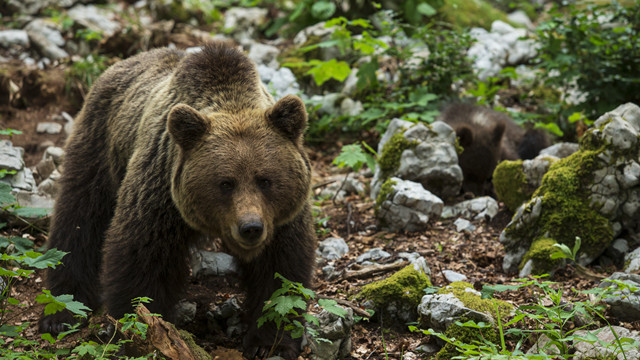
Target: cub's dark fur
pixel 488 137
pixel 169 146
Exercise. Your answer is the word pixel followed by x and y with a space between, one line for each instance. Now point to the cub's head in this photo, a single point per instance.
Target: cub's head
pixel 240 175
pixel 480 156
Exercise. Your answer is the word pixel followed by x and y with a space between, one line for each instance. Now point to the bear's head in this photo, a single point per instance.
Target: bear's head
pixel 480 155
pixel 240 175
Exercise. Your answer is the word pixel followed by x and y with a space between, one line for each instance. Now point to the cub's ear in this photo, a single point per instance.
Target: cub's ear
pixel 465 136
pixel 186 125
pixel 289 116
pixel 496 134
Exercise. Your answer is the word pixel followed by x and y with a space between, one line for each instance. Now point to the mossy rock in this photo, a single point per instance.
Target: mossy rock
pixel 404 288
pixel 466 335
pixel 473 301
pixel 566 213
pixel 510 184
pixel 540 254
pixel 385 190
pixel 392 152
pixel 463 14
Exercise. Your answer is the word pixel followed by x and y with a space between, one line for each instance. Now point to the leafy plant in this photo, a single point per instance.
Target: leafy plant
pixel 286 308
pixel 593 47
pixel 83 73
pixel 354 157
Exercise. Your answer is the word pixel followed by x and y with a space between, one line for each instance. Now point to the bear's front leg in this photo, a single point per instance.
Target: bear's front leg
pixel 291 254
pixel 146 247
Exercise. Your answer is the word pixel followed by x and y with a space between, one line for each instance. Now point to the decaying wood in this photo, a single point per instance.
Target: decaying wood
pixel 162 337
pixel 373 270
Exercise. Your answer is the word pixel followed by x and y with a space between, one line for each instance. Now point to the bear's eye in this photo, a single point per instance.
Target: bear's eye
pixel 227 186
pixel 264 184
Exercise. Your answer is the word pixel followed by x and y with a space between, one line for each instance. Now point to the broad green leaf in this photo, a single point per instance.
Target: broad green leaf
pixel 332 307
pixel 354 157
pixel 323 71
pixel 426 9
pixel 323 9
pixel 6 198
pixel 31 213
pixel 42 261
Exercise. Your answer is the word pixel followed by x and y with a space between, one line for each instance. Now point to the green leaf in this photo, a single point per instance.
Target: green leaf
pixel 61 302
pixel 323 71
pixel 31 213
pixel 42 261
pixel 323 9
pixel 332 307
pixel 354 157
pixel 551 127
pixel 426 9
pixel 6 198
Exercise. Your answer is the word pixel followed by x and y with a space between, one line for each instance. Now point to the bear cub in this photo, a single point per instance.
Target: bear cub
pixel 169 147
pixel 488 137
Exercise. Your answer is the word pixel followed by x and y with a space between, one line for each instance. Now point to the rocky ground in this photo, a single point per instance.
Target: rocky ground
pixel 43 81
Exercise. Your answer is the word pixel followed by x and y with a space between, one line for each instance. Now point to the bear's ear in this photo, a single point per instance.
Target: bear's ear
pixel 496 134
pixel 289 116
pixel 186 125
pixel 465 136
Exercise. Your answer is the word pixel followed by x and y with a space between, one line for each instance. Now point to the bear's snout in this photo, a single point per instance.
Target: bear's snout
pixel 251 229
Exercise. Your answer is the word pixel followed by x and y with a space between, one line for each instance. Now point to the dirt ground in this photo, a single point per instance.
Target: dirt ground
pixel 477 255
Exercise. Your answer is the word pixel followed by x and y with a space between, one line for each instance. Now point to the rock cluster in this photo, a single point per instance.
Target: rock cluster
pixel 593 194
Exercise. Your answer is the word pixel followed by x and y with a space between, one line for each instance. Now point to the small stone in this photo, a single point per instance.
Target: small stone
pixel 48 128
pixel 373 255
pixel 332 248
pixel 10 38
pixel 453 276
pixel 207 263
pixel 464 225
pixel 185 312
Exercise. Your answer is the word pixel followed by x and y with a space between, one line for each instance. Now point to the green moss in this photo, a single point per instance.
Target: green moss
pixel 406 285
pixel 200 353
pixel 540 252
pixel 475 302
pixel 385 191
pixel 510 184
pixel 466 14
pixel 565 210
pixel 459 148
pixel 466 335
pixel 392 152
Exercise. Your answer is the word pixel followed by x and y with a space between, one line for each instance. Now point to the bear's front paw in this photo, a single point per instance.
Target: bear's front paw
pixel 261 347
pixel 57 323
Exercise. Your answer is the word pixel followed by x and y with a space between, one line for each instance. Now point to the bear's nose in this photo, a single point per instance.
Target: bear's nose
pixel 251 231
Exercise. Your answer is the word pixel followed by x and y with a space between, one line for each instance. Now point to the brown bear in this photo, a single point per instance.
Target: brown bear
pixel 169 147
pixel 488 137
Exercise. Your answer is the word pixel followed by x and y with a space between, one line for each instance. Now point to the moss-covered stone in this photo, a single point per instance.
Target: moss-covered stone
pixel 385 191
pixel 510 184
pixel 463 291
pixel 467 14
pixel 405 286
pixel 392 152
pixel 540 253
pixel 466 335
pixel 566 213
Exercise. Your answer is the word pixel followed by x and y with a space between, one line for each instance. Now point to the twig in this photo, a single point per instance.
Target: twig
pixel 373 270
pixel 353 306
pixel 349 213
pixel 333 199
pixel 317 186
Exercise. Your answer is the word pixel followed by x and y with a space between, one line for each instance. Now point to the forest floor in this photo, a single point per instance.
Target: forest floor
pixel 477 255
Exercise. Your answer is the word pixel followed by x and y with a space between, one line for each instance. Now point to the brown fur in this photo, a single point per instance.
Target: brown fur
pixel 488 137
pixel 167 147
